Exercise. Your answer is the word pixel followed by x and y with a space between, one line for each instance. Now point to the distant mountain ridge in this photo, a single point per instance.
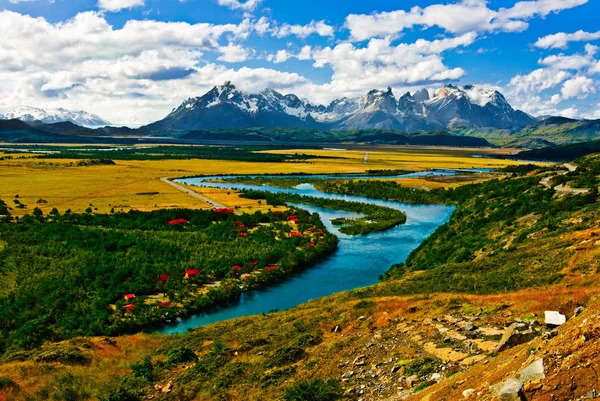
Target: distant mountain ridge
pixel 51 116
pixel 224 106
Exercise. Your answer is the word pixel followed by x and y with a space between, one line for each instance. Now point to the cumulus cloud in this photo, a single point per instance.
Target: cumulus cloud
pixel 381 64
pixel 280 57
pixel 265 25
pixel 561 40
pixel 136 72
pixel 573 61
pixel 118 5
pixel 579 87
pixel 314 27
pixel 233 53
pixel 457 18
pixel 248 5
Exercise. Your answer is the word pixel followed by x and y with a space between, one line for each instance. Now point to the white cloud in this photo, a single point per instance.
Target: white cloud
pixel 572 61
pixel 118 5
pixel 248 5
pixel 570 112
pixel 380 64
pixel 561 40
pixel 137 72
pixel 579 87
pixel 233 53
pixel 314 27
pixel 280 57
pixel 457 18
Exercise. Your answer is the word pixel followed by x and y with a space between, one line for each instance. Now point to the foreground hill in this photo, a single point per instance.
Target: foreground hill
pixel 448 324
pixel 552 131
pixel 562 152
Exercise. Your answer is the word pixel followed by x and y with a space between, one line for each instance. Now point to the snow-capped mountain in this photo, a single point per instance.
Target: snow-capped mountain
pixel 50 116
pixel 425 110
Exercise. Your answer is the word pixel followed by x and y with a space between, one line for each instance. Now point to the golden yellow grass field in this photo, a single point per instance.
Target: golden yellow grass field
pixel 136 184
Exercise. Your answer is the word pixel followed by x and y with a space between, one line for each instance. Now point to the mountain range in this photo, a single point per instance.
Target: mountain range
pixel 425 110
pixel 51 116
pixel 225 114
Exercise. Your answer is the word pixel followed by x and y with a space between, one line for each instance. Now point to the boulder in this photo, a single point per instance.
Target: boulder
pixel 578 311
pixel 509 390
pixel 515 335
pixel 469 326
pixel 347 375
pixel 535 371
pixel 468 393
pixel 554 318
pixel 411 381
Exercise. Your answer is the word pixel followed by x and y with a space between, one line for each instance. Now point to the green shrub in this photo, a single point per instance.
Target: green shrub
pixel 181 355
pixel 144 368
pixel 314 390
pixel 286 355
pixel 7 383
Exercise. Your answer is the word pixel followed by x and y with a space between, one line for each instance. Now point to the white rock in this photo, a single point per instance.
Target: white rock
pixel 554 318
pixel 535 371
pixel 469 392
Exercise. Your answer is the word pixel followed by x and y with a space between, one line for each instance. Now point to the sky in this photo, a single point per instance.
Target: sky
pixel 133 61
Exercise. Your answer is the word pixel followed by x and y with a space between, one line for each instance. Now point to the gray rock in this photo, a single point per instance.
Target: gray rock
pixel 436 377
pixel 411 381
pixel 512 336
pixel 578 311
pixel 553 318
pixel 535 371
pixel 469 326
pixel 550 334
pixel 509 390
pixel 347 375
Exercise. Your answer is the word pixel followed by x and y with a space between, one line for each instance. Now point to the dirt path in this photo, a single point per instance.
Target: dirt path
pixel 562 188
pixel 190 192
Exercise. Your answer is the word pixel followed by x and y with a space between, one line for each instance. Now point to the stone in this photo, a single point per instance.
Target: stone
pixel 167 388
pixel 533 372
pixel 436 377
pixel 509 390
pixel 553 318
pixel 469 326
pixel 550 334
pixel 359 360
pixel 411 381
pixel 578 311
pixel 468 392
pixel 336 329
pixel 347 375
pixel 512 337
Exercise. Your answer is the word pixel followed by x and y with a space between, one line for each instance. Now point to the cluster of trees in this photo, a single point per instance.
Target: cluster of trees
pixel 96 156
pixel 66 275
pixel 376 218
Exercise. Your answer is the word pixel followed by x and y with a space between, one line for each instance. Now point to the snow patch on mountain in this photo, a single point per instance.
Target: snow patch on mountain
pixel 50 116
pixel 425 110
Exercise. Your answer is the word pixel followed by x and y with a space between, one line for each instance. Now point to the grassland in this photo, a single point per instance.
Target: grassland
pixel 136 184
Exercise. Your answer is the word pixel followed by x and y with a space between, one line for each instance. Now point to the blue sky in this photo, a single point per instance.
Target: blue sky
pixel 132 61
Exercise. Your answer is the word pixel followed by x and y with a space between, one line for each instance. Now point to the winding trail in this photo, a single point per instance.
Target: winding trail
pixel 563 189
pixel 191 193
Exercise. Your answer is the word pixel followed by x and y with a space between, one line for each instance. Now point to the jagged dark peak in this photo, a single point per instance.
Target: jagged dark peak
pixel 421 95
